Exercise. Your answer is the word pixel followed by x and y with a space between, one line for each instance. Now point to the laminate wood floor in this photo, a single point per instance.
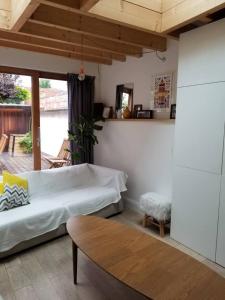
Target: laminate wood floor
pixel 45 272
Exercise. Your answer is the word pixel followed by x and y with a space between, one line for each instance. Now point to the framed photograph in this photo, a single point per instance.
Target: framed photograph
pixel 144 114
pixel 162 91
pixel 106 112
pixel 137 107
pixel 173 111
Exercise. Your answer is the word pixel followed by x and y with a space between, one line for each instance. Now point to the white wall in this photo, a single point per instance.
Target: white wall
pixel 138 71
pixel 142 149
pixel 45 62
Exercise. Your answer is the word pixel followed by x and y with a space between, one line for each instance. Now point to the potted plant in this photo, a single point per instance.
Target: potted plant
pixel 26 143
pixel 81 133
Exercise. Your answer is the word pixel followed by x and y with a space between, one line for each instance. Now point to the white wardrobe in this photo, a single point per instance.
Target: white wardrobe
pixel 198 207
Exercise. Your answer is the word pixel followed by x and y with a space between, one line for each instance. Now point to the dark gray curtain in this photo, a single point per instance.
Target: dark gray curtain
pixel 81 103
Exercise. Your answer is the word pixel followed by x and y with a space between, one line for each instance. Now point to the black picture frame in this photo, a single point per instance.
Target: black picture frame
pixel 137 107
pixel 173 112
pixel 145 114
pixel 106 112
pixel 120 90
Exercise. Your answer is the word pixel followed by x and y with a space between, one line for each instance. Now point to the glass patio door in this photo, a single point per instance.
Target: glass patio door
pixel 24 131
pixel 17 153
pixel 53 123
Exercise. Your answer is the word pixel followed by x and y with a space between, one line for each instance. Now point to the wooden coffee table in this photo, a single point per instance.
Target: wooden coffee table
pixel 147 265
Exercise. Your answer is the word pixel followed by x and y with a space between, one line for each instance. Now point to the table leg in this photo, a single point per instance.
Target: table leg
pixel 74 263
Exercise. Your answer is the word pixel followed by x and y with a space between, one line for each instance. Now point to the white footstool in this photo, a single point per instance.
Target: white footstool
pixel 157 209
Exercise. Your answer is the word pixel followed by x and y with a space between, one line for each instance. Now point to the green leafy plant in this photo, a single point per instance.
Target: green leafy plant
pixel 7 86
pixel 22 94
pixel 10 92
pixel 81 133
pixel 45 84
pixel 26 143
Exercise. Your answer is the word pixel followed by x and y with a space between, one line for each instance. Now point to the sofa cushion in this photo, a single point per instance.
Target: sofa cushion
pixel 13 197
pixel 1 188
pixel 15 192
pixel 46 182
pixel 85 200
pixel 25 222
pixel 12 180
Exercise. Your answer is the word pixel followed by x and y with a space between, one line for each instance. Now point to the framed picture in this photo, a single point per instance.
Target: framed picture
pixel 106 112
pixel 137 107
pixel 173 111
pixel 144 114
pixel 162 91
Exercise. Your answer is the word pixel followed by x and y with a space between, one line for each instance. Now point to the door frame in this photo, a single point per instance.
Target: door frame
pixel 35 76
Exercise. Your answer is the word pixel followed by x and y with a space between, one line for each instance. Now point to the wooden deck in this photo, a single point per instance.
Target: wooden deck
pixel 19 164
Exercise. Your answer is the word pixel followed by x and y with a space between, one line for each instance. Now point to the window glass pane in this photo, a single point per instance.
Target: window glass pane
pixel 16 153
pixel 54 121
pixel 125 100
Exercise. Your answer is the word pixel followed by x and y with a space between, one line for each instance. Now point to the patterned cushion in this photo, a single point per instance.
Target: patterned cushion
pixel 1 188
pixel 11 180
pixel 13 196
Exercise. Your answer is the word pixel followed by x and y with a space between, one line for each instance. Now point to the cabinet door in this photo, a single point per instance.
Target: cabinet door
pixel 201 55
pixel 199 128
pixel 195 210
pixel 220 255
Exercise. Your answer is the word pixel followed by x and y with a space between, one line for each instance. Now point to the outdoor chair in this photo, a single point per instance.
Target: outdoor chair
pixel 63 157
pixel 3 142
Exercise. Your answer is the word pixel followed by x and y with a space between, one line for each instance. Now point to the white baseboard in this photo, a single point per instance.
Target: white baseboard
pixel 132 204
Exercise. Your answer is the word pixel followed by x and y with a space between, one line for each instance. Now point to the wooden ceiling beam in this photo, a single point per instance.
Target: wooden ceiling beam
pixel 65 36
pixel 91 26
pixel 49 44
pixel 69 5
pixel 86 5
pixel 21 10
pixel 22 46
pixel 188 11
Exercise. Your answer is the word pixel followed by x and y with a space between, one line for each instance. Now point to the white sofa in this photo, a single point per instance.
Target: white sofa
pixel 55 195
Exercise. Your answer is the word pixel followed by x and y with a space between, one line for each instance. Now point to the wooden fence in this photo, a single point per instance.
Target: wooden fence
pixel 14 119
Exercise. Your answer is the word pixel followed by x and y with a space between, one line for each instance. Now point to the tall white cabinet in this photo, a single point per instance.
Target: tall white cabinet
pixel 220 252
pixel 198 207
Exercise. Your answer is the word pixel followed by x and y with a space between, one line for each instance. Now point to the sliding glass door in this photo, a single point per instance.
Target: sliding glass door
pixel 53 122
pixel 16 151
pixel 33 120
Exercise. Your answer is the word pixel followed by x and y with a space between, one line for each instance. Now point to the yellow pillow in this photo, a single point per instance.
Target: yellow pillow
pixel 11 180
pixel 1 188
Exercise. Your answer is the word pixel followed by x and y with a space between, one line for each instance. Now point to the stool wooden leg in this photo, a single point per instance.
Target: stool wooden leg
pixel 145 221
pixel 162 229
